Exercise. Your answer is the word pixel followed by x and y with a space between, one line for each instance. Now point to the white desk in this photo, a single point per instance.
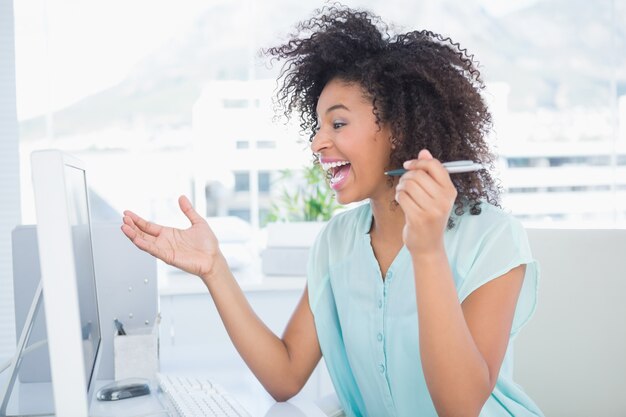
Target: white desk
pixel 194 342
pixel 208 360
pixel 36 398
pixel 193 339
pixel 235 377
pixel 191 324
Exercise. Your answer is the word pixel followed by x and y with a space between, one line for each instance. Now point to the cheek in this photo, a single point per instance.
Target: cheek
pixel 385 156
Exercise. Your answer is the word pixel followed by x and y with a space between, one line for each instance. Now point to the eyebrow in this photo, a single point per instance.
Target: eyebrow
pixel 335 107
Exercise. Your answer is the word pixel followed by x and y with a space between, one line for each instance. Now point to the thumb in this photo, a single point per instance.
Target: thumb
pixel 187 208
pixel 424 154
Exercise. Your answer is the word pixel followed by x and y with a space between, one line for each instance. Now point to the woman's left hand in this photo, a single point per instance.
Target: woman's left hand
pixel 426 195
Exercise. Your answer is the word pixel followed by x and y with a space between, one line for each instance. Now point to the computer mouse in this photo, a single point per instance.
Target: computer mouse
pixel 126 388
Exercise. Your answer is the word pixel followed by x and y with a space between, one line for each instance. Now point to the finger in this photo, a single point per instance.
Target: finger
pixel 187 208
pixel 129 222
pixel 424 180
pixel 434 168
pixel 408 204
pixel 425 154
pixel 142 243
pixel 144 225
pixel 129 231
pixel 417 196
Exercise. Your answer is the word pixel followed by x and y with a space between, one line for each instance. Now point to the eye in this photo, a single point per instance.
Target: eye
pixel 337 125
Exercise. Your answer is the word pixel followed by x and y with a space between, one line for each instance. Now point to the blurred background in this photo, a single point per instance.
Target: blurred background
pixel 164 98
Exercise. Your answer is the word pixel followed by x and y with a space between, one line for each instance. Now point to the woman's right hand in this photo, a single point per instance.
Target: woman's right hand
pixel 194 250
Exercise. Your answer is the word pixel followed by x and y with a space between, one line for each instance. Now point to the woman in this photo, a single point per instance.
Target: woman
pixel 414 297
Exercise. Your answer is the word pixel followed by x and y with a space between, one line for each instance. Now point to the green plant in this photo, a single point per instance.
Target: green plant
pixel 305 196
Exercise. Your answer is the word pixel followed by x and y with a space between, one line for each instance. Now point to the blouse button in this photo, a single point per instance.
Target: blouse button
pixel 380 337
pixel 389 274
pixel 381 368
pixel 380 303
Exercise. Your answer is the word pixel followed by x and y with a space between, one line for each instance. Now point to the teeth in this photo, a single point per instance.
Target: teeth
pixel 330 165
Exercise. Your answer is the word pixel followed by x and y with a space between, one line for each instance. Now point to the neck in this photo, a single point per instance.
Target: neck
pixel 388 220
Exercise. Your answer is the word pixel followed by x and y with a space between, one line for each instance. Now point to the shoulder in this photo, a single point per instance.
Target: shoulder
pixel 485 247
pixel 492 231
pixel 490 220
pixel 492 234
pixel 338 238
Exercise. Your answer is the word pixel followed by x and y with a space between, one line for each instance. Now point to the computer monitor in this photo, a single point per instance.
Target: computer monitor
pixel 68 278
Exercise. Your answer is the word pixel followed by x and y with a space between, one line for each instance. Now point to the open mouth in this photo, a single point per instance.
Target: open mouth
pixel 339 172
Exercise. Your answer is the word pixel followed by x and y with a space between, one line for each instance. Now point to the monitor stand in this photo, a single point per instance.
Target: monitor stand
pixel 21 349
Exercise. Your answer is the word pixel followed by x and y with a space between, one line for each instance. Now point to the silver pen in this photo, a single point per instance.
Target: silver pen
pixel 453 167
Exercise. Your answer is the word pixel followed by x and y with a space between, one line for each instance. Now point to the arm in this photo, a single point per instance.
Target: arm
pixel 461 346
pixel 282 365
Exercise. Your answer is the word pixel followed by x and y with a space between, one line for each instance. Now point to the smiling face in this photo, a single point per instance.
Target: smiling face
pixel 350 144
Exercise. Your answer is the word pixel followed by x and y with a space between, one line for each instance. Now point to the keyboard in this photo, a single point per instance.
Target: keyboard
pixel 197 397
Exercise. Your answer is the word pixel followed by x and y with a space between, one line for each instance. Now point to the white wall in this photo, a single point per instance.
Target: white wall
pixel 9 175
pixel 571 359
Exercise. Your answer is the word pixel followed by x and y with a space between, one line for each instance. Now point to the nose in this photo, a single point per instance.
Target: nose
pixel 319 142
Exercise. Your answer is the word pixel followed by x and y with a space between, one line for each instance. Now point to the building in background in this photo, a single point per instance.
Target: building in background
pixel 562 167
pixel 194 117
pixel 150 112
pixel 239 147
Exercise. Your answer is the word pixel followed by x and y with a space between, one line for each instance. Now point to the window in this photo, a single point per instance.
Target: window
pixel 266 144
pixel 174 107
pixel 558 126
pixel 9 177
pixel 264 182
pixel 243 144
pixel 242 181
pixel 241 213
pixel 235 104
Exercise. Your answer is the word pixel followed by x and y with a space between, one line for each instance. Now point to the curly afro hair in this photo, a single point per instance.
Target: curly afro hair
pixel 423 86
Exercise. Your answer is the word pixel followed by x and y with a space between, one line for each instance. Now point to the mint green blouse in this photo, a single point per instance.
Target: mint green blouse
pixel 368 329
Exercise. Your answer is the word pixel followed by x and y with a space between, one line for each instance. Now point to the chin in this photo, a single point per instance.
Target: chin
pixel 345 198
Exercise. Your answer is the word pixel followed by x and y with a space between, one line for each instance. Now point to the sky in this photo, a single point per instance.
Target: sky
pixel 90 45
pixel 69 49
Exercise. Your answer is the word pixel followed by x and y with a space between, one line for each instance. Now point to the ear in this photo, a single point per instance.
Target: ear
pixel 393 140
